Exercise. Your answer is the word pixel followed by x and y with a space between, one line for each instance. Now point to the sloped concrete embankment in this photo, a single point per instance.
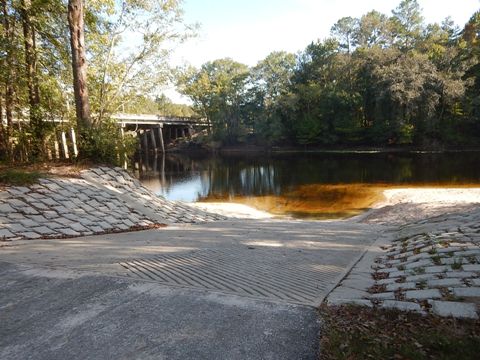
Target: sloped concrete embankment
pixel 101 200
pixel 428 266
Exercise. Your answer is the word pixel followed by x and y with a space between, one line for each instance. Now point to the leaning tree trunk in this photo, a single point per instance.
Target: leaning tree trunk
pixel 79 63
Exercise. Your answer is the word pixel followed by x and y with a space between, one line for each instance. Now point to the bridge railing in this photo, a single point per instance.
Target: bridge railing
pixel 134 119
pixel 143 119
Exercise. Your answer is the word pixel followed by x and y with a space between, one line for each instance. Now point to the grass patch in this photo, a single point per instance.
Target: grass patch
pixel 353 332
pixel 14 177
pixel 457 265
pixel 437 260
pixel 422 284
pixel 418 271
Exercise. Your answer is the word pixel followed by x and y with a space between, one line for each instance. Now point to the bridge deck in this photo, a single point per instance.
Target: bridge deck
pixel 142 119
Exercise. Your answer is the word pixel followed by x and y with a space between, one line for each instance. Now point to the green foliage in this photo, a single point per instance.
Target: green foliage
pixel 160 105
pixel 374 29
pixel 167 108
pixel 122 74
pixel 344 31
pixel 104 144
pixel 380 80
pixel 17 177
pixel 270 81
pixel 407 23
pixel 120 69
pixel 217 91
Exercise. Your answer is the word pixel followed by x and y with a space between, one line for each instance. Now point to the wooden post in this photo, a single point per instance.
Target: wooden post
pixel 160 136
pixel 56 147
pixel 139 142
pixel 64 145
pixel 155 163
pixel 142 164
pixel 190 132
pixel 47 144
pixel 162 170
pixel 122 134
pixel 154 141
pixel 63 138
pixel 183 133
pixel 74 142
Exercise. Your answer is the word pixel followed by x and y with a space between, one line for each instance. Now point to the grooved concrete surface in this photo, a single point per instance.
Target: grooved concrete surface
pixel 243 271
pixel 244 298
pixel 50 315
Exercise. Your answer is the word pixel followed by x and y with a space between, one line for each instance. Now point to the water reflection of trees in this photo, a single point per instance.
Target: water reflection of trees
pixel 240 180
pixel 257 175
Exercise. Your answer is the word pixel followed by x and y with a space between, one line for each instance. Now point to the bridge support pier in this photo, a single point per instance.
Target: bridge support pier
pixel 145 141
pixel 160 136
pixel 56 147
pixel 63 138
pixel 74 142
pixel 154 141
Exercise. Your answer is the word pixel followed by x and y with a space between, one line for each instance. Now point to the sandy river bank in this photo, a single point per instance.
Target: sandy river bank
pixel 395 206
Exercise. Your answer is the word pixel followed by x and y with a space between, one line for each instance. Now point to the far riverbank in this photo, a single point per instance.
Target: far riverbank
pixel 189 148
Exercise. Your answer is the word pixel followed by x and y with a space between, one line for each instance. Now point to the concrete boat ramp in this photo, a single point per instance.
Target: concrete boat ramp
pixel 234 289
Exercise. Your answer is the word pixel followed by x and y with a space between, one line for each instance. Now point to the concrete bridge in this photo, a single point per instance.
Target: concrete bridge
pixel 148 120
pixel 124 120
pixel 156 131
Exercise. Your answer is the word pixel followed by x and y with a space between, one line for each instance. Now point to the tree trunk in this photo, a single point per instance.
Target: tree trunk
pixel 10 74
pixel 36 120
pixel 3 147
pixel 79 63
pixel 30 54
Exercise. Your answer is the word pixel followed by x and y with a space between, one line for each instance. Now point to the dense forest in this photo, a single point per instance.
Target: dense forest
pixel 378 81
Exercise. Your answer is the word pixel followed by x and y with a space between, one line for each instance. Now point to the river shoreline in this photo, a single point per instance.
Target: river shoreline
pixel 416 250
pixel 399 205
pixel 389 204
pixel 262 149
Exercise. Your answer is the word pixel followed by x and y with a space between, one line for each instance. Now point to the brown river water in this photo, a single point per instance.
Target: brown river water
pixel 304 185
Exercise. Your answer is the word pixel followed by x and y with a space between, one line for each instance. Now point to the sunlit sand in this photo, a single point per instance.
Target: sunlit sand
pixel 346 201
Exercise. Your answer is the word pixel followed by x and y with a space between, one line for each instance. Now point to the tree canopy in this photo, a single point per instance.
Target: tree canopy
pixel 378 80
pixel 124 59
